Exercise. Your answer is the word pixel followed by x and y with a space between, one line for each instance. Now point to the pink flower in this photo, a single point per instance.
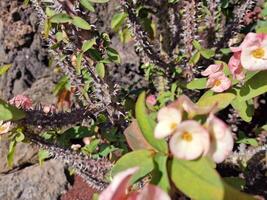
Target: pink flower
pixel 21 101
pixel 151 100
pixel 252 53
pixel 190 141
pixel 236 67
pixel 212 69
pixel 218 82
pixel 118 189
pixel 222 141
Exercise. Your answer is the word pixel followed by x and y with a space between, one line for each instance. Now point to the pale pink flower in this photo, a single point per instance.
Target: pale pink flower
pixel 118 189
pixel 218 82
pixel 49 109
pixel 222 141
pixel 168 120
pixel 236 67
pixel 21 101
pixel 212 69
pixel 151 100
pixel 4 127
pixel 190 141
pixel 253 52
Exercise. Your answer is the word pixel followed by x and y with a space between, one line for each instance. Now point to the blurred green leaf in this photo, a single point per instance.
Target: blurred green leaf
pixel 42 155
pixel 60 18
pixel 88 44
pixel 87 5
pixel 99 1
pixel 9 112
pixel 81 23
pixel 100 69
pixel 197 83
pixel 4 69
pixel 117 20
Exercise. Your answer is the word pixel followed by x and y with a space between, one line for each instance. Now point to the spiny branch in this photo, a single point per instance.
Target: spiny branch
pixel 92 170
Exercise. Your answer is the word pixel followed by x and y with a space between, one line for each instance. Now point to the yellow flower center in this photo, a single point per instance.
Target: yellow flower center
pixel 258 53
pixel 187 136
pixel 218 83
pixel 2 129
pixel 173 126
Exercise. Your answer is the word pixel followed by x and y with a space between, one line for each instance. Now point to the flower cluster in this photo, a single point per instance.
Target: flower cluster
pixel 119 189
pixel 250 55
pixel 188 138
pixel 217 80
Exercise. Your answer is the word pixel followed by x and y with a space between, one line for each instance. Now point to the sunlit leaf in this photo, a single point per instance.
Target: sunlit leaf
pixel 60 18
pixel 9 112
pixel 81 23
pixel 141 158
pixel 197 179
pixel 87 5
pixel 100 69
pixel 147 125
pixel 42 155
pixel 197 83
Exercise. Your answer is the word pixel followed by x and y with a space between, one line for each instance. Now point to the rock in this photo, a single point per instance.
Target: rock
pixel 45 182
pixel 24 154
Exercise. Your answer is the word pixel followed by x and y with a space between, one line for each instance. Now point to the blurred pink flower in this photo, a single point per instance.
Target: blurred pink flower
pixel 218 82
pixel 190 141
pixel 151 100
pixel 4 127
pixel 118 189
pixel 168 120
pixel 222 141
pixel 252 53
pixel 21 101
pixel 212 69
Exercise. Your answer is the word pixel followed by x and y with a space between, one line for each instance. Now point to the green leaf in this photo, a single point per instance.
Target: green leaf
pixel 140 158
pixel 147 125
pixel 99 1
pixel 250 141
pixel 88 44
pixel 100 69
pixel 236 182
pixel 113 55
pixel 207 53
pixel 9 112
pixel 197 45
pixel 255 86
pixel 42 155
pixel 11 153
pixel 4 69
pixel 117 20
pixel 80 23
pixel 160 175
pixel 197 179
pixel 245 109
pixel 195 58
pixel 90 148
pixel 87 5
pixel 197 83
pixel 234 194
pixel 19 136
pixel 60 18
pixel 223 100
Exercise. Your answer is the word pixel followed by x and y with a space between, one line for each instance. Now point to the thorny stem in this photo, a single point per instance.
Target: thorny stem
pixel 92 170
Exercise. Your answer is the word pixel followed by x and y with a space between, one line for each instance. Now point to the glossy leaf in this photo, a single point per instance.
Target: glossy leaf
pixel 9 112
pixel 147 125
pixel 81 23
pixel 197 83
pixel 255 86
pixel 141 158
pixel 245 109
pixel 87 5
pixel 197 179
pixel 222 100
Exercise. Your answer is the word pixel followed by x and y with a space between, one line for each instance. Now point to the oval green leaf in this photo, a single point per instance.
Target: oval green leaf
pixel 147 125
pixel 81 23
pixel 197 179
pixel 9 112
pixel 222 100
pixel 87 5
pixel 100 70
pixel 140 158
pixel 60 18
